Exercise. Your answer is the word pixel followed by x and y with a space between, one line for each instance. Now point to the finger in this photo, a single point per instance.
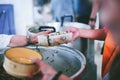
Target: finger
pixel 69 29
pixel 30 75
pixel 46 78
pixel 36 60
pixel 44 32
pixel 73 39
pixel 47 32
pixel 75 36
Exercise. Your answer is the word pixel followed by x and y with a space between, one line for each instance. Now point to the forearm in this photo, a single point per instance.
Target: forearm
pixel 18 40
pixel 98 34
pixel 21 40
pixel 63 77
pixel 95 8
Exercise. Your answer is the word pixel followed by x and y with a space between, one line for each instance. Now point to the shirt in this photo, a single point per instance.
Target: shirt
pixel 82 7
pixel 4 40
pixel 109 53
pixel 60 8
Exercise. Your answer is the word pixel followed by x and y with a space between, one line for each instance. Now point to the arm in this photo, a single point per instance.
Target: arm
pixel 64 77
pixel 18 40
pixel 98 34
pixel 95 8
pixel 47 71
pixel 21 40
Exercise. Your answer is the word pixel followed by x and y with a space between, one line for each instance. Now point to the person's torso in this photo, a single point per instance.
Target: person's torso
pixel 71 7
pixel 109 53
pixel 61 7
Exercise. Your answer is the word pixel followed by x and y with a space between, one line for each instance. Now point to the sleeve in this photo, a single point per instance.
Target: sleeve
pixel 4 40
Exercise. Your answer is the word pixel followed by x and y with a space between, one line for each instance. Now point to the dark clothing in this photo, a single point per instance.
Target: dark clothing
pixel 82 7
pixel 79 8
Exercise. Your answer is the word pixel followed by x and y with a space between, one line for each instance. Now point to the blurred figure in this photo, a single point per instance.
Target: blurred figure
pixel 79 9
pixel 110 17
pixel 40 2
pixel 113 20
pixel 82 9
pixel 95 8
pixel 60 8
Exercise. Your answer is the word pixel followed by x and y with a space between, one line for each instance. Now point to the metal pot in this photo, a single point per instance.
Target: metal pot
pixel 68 60
pixel 56 26
pixel 2 55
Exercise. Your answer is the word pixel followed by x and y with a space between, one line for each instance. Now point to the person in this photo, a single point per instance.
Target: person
pixel 114 72
pixel 80 10
pixel 111 19
pixel 110 14
pixel 95 8
pixel 48 73
pixel 114 28
pixel 18 40
pixel 60 8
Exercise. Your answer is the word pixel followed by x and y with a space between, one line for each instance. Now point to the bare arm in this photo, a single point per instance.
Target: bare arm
pixel 21 40
pixel 47 71
pixel 64 77
pixel 98 34
pixel 18 40
pixel 95 7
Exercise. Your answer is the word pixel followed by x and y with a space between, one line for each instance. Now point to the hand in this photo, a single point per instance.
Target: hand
pixel 46 71
pixel 92 24
pixel 75 31
pixel 34 38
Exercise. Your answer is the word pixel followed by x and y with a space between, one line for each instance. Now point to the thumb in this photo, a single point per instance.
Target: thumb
pixel 39 62
pixel 44 32
pixel 73 39
pixel 36 60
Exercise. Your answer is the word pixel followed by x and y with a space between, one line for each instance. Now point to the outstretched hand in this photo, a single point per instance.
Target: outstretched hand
pixel 75 31
pixel 46 71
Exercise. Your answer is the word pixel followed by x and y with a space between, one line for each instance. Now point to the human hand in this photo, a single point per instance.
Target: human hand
pixel 34 38
pixel 75 32
pixel 92 24
pixel 46 71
